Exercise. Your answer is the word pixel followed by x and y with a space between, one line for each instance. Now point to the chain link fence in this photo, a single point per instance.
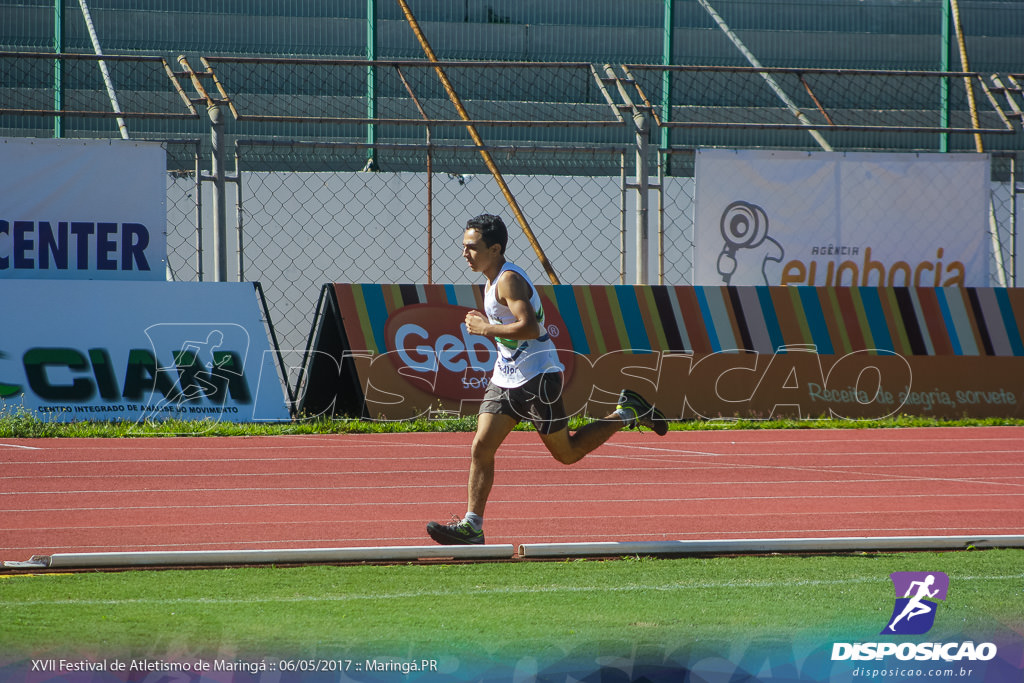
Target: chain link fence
pixel 844 109
pixel 311 225
pixel 366 171
pixel 184 211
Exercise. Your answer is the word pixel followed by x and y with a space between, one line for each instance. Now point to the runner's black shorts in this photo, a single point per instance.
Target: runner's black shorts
pixel 539 401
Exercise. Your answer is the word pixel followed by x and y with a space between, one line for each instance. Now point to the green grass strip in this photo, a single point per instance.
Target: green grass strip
pixel 22 424
pixel 545 610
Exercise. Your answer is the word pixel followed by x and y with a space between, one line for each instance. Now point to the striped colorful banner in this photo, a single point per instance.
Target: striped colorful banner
pixel 703 320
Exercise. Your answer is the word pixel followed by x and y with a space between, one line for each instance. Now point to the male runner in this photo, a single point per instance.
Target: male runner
pixel 527 380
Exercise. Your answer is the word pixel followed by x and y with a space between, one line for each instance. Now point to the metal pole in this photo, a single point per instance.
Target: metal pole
pixel 1015 188
pixel 622 218
pixel 220 233
pixel 156 558
pixel 430 178
pixel 662 161
pixel 997 250
pixel 479 142
pixel 642 200
pixel 111 93
pixel 666 75
pixel 239 214
pixel 790 104
pixel 58 67
pixel 430 212
pixel 756 545
pixel 944 81
pixel 199 213
pixel 642 185
pixel 968 85
pixel 371 85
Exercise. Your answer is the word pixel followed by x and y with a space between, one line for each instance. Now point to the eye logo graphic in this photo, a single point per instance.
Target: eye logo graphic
pixel 916 596
pixel 748 251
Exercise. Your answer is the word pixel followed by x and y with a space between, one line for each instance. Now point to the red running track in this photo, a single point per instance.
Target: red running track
pixel 96 495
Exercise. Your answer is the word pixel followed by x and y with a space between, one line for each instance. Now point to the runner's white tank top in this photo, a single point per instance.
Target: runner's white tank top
pixel 519 360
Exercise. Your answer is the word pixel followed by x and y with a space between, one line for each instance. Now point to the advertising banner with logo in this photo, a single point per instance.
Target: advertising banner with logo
pixel 841 219
pixel 83 209
pixel 402 351
pixel 99 350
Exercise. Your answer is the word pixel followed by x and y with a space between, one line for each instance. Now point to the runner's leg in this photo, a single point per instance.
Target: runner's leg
pixel 491 430
pixel 569 448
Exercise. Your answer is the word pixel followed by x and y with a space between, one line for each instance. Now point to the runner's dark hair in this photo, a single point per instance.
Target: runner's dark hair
pixel 491 228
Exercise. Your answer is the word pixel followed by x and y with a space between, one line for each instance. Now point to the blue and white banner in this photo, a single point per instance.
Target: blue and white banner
pixel 841 219
pixel 97 350
pixel 83 209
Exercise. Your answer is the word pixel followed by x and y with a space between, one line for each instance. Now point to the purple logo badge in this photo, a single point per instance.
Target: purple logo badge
pixel 917 594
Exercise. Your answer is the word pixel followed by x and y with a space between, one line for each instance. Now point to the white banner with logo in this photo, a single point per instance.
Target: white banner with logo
pixel 100 350
pixel 83 209
pixel 841 218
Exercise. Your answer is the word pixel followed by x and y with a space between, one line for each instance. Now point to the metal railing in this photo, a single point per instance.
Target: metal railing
pixel 366 170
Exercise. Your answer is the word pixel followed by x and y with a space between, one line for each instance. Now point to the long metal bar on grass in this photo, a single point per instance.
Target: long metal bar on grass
pixel 155 558
pixel 767 545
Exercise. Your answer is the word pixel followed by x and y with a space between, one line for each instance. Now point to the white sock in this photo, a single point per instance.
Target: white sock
pixel 475 520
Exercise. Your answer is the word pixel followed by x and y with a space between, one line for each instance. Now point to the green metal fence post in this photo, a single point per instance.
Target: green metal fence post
pixel 371 84
pixel 944 82
pixel 666 77
pixel 58 66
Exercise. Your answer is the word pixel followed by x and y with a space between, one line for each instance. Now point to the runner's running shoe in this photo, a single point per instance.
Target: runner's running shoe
pixel 459 532
pixel 644 414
